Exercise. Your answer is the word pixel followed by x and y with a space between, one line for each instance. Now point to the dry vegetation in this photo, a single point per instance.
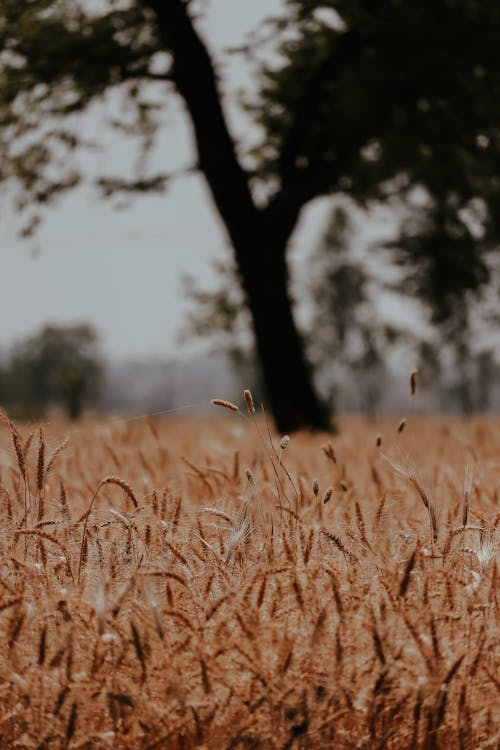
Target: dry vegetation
pixel 181 584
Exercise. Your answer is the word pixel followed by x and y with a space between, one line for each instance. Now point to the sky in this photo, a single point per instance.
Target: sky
pixel 121 270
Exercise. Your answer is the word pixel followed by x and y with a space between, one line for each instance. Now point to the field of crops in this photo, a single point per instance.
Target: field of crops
pixel 178 584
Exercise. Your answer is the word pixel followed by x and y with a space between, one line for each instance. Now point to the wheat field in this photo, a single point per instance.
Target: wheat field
pixel 199 583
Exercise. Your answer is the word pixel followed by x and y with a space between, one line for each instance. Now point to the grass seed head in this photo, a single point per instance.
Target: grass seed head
pixel 225 404
pixel 413 382
pixel 284 442
pixel 329 452
pixel 249 401
pixel 328 495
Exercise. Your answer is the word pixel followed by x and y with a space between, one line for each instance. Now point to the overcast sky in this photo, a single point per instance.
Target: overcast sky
pixel 121 270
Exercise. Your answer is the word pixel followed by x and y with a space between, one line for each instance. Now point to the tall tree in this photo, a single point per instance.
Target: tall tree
pixel 369 98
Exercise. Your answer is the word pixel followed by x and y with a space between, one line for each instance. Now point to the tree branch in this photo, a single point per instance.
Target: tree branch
pixel 195 78
pixel 284 207
pixel 196 81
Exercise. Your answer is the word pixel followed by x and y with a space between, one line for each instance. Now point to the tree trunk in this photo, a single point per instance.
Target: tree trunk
pixel 72 391
pixel 258 237
pixel 287 376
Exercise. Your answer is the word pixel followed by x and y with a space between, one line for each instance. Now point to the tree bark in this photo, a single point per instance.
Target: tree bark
pixel 258 236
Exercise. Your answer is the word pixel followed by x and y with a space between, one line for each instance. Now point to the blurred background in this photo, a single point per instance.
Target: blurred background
pixel 359 144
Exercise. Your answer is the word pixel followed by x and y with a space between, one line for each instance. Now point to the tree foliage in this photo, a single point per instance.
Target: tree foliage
pixel 57 60
pixel 371 99
pixel 386 98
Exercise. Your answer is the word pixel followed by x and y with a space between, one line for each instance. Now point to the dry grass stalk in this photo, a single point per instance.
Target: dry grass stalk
pixel 85 517
pixel 40 471
pixel 339 544
pixel 60 448
pixel 249 606
pixel 216 605
pixel 42 646
pixel 124 485
pixel 470 484
pixel 27 444
pixel 18 444
pixel 299 594
pixel 71 725
pixel 176 552
pixel 15 626
pixel 139 649
pixel 405 580
pixel 50 538
pixel 408 473
pixel 7 603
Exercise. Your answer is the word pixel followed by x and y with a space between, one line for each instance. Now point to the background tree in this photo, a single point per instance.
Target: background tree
pixel 369 99
pixel 57 366
pixel 449 261
pixel 458 359
pixel 348 340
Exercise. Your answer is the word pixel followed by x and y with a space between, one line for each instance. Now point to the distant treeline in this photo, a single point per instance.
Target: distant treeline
pixel 62 368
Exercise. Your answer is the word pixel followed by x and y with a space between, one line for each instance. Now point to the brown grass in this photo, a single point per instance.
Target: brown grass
pixel 169 585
